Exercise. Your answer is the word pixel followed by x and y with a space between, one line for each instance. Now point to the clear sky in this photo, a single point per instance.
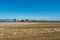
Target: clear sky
pixel 30 9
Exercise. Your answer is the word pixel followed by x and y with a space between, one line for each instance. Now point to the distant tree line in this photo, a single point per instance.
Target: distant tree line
pixel 26 20
pixel 7 20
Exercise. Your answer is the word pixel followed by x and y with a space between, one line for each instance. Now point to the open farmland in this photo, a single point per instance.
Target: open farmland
pixel 30 31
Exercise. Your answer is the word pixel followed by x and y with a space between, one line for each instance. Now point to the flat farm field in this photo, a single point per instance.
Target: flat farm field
pixel 29 30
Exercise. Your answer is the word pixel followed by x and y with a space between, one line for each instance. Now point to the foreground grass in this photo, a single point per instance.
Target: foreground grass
pixel 26 34
pixel 29 31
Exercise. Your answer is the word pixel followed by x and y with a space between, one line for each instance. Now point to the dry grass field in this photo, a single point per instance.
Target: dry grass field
pixel 30 31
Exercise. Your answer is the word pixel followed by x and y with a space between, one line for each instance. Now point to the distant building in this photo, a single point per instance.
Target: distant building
pixel 26 20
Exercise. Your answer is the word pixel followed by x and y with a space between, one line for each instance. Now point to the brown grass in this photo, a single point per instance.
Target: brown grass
pixel 29 31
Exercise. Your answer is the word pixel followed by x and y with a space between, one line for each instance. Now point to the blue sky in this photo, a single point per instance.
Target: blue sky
pixel 30 9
